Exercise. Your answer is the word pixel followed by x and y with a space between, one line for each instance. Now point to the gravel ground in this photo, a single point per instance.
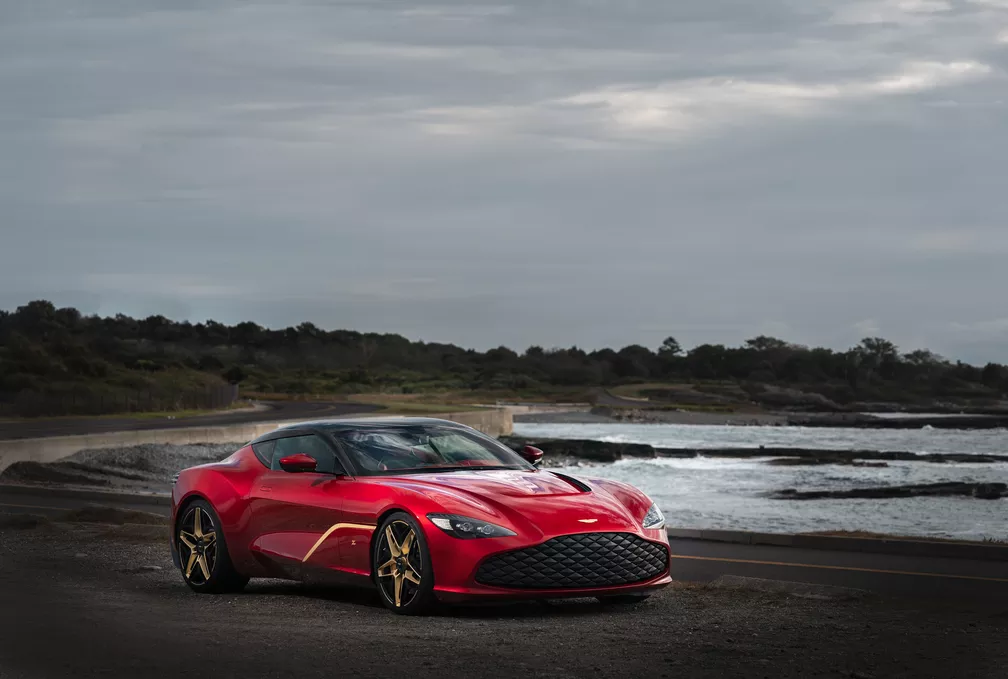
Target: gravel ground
pixel 97 600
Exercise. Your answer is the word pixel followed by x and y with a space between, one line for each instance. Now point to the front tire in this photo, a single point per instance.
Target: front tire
pixel 203 556
pixel 401 565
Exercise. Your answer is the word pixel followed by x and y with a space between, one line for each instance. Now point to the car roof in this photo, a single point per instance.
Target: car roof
pixel 345 424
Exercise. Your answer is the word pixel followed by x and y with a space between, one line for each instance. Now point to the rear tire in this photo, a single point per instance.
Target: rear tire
pixel 401 566
pixel 203 555
pixel 623 599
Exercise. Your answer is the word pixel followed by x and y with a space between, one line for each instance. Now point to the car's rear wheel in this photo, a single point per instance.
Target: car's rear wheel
pixel 623 599
pixel 203 555
pixel 401 565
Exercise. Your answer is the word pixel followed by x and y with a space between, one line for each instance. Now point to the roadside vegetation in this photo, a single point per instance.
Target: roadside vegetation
pixel 58 361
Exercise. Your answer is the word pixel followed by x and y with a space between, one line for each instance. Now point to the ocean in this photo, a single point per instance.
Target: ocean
pixel 732 493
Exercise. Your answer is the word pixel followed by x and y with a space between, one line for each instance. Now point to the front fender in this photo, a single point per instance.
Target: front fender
pixel 635 500
pixel 216 488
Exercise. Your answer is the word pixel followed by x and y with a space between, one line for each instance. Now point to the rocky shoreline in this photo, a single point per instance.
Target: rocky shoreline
pixel 980 491
pixel 559 450
pixel 644 415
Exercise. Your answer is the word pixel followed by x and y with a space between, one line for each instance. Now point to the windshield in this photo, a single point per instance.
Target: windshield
pixel 424 448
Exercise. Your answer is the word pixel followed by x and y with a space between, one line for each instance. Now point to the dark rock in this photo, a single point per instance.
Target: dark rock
pixel 677 452
pixel 797 462
pixel 984 491
pixel 863 421
pixel 988 491
pixel 606 451
pixel 597 451
pixel 817 461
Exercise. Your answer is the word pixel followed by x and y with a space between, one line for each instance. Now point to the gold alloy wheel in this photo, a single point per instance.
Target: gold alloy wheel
pixel 401 563
pixel 197 545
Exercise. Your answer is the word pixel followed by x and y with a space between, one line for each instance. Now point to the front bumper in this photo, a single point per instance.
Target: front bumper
pixel 479 592
pixel 561 566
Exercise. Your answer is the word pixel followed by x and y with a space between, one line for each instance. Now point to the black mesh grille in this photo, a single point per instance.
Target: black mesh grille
pixel 575 561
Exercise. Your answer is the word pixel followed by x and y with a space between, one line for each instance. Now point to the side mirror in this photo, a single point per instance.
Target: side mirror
pixel 532 454
pixel 298 463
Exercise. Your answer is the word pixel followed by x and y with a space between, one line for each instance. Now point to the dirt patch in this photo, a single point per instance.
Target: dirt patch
pixel 23 521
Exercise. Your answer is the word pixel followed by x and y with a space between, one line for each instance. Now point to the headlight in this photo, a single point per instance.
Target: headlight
pixel 654 519
pixel 464 527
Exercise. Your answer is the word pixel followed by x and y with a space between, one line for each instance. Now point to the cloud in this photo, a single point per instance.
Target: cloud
pixel 906 12
pixel 868 327
pixel 684 107
pixel 946 242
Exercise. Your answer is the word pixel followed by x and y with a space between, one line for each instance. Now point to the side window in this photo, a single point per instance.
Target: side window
pixel 309 445
pixel 264 451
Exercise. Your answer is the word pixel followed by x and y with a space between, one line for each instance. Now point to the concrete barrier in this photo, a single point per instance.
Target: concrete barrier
pixel 493 422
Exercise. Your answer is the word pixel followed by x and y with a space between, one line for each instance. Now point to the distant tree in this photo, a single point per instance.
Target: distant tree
pixel 923 357
pixel 994 375
pixel 632 361
pixel 307 329
pixel 44 348
pixel 246 333
pixel 501 355
pixel 878 349
pixel 879 356
pixel 235 374
pixel 764 343
pixel 670 347
pixel 707 361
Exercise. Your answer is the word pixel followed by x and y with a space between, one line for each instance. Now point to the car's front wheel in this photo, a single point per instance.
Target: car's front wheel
pixel 203 555
pixel 401 565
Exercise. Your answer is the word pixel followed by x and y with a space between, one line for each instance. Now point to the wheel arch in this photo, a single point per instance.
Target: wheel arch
pixel 377 531
pixel 188 499
pixel 183 506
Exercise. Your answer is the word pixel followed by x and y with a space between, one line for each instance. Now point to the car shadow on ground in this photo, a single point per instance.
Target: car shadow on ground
pixel 369 598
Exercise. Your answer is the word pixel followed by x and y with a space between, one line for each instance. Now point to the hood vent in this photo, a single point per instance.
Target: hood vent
pixel 580 485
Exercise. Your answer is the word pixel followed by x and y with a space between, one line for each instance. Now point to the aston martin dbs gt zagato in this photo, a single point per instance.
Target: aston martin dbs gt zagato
pixel 422 509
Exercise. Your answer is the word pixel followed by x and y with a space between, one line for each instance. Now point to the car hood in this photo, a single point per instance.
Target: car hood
pixel 528 501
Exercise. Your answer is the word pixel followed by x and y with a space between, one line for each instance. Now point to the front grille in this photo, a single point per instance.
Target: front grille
pixel 576 561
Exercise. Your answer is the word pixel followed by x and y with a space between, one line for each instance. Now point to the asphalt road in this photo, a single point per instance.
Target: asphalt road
pixel 702 561
pixel 99 601
pixel 277 410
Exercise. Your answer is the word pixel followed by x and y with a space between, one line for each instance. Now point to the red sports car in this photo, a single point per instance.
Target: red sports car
pixel 423 509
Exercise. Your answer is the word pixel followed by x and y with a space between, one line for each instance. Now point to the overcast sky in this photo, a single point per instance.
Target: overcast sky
pixel 593 172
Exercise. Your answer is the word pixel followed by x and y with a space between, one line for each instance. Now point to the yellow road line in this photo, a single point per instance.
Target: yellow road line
pixel 840 568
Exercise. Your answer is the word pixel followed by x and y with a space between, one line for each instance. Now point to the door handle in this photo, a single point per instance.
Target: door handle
pixel 266 489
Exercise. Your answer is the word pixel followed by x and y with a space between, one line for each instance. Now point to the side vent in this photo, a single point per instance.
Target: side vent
pixel 580 485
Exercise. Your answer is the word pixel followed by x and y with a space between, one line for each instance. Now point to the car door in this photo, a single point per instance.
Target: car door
pixel 292 511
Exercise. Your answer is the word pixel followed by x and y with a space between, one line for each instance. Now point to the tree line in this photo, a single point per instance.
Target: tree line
pixel 43 347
